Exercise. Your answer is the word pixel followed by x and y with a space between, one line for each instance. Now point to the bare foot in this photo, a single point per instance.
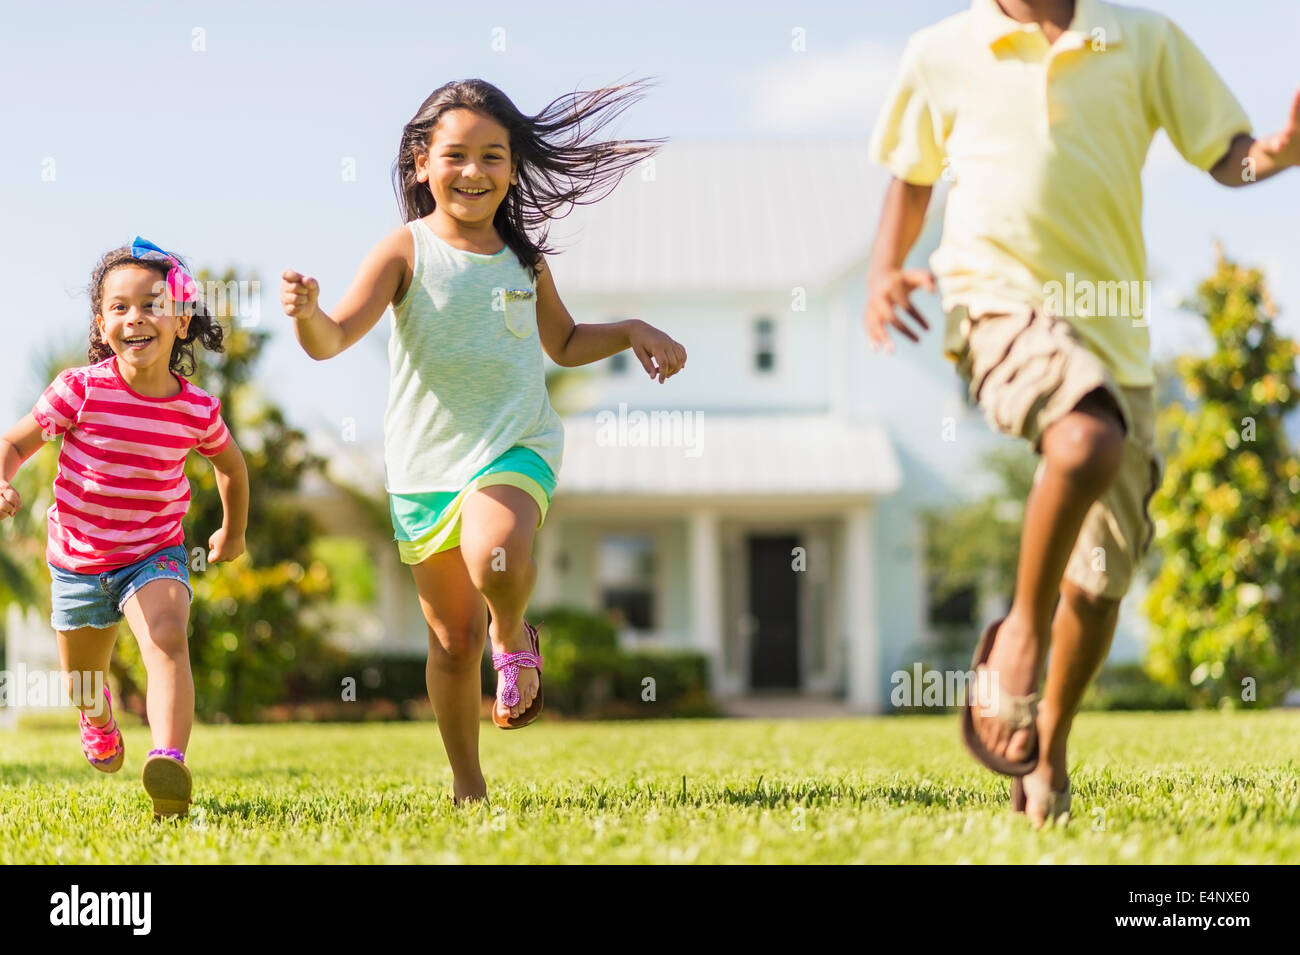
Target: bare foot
pixel 1048 781
pixel 1047 802
pixel 526 681
pixel 473 790
pixel 1012 670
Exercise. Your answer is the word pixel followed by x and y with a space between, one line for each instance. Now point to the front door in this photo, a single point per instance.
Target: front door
pixel 774 610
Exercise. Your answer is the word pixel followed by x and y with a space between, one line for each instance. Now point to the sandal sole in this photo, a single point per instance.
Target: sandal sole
pixel 110 767
pixel 168 783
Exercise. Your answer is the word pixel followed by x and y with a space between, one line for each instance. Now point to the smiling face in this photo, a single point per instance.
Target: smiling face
pixel 468 166
pixel 137 319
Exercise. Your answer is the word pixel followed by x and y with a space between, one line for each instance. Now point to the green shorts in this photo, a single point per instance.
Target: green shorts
pixel 428 523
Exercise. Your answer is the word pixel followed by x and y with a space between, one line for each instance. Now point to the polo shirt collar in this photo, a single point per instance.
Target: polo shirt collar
pixel 992 25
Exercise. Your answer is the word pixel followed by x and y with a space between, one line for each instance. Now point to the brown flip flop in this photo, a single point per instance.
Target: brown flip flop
pixel 505 661
pixel 1015 712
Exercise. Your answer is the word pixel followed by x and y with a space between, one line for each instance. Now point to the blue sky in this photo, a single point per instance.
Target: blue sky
pixel 232 154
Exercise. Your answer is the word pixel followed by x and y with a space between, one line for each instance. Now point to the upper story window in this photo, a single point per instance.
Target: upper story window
pixel 764 345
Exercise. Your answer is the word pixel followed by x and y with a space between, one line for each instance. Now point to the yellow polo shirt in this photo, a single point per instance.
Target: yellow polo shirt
pixel 1043 146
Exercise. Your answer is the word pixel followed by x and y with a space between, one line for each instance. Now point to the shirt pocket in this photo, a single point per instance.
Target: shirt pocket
pixel 520 311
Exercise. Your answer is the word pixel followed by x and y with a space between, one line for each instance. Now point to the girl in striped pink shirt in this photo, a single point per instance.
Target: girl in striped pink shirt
pixel 115 545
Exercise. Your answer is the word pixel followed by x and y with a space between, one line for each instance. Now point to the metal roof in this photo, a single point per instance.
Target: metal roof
pixel 745 216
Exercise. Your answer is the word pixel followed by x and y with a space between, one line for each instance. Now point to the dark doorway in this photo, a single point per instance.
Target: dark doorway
pixel 774 607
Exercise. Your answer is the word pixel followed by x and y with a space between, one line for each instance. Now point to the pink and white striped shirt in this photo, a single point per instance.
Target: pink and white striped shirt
pixel 121 489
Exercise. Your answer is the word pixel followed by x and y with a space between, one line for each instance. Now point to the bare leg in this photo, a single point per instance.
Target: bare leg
pixel 457 621
pixel 498 524
pixel 88 651
pixel 1082 630
pixel 1082 454
pixel 159 616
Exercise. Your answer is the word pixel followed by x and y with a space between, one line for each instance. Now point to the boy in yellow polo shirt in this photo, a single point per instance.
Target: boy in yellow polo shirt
pixel 1040 115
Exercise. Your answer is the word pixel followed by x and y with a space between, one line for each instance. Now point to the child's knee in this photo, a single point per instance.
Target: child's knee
pixel 458 646
pixel 1089 606
pixel 166 634
pixel 1087 449
pixel 503 565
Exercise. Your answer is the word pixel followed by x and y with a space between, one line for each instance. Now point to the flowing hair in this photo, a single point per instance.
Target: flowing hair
pixel 559 163
pixel 203 328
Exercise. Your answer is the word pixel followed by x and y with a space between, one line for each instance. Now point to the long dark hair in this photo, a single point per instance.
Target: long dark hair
pixel 557 163
pixel 203 328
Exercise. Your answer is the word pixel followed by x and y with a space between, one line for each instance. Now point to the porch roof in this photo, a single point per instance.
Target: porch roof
pixel 701 453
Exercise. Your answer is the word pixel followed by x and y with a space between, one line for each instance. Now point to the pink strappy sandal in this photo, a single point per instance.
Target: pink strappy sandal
pixel 509 663
pixel 102 745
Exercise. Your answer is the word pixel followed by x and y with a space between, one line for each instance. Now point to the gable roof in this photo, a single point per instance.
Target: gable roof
pixel 726 217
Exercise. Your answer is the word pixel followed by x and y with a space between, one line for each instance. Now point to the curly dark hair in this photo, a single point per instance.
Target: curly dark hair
pixel 203 328
pixel 558 164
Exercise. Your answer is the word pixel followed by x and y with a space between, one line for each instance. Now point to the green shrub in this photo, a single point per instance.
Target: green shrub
pixel 1130 687
pixel 1224 616
pixel 585 674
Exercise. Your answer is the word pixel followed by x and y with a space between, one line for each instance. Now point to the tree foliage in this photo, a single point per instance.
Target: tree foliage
pixel 977 544
pixel 1225 605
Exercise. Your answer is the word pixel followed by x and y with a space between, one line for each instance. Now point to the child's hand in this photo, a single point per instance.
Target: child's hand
pixel 1284 146
pixel 299 294
pixel 224 546
pixel 888 291
pixel 649 343
pixel 9 500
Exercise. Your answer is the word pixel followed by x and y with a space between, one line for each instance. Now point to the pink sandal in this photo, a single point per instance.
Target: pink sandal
pixel 510 663
pixel 103 746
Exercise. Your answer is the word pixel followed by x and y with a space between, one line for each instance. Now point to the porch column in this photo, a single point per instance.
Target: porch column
pixel 706 592
pixel 860 610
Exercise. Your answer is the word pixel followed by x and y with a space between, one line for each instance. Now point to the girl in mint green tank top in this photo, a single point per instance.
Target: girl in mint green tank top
pixel 472 446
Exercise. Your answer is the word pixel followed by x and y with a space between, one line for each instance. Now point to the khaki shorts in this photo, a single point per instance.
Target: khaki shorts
pixel 1027 370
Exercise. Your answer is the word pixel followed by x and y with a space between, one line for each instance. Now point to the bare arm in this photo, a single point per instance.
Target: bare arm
pixel 888 286
pixel 227 542
pixel 570 345
pixel 18 444
pixel 1251 160
pixel 901 217
pixel 382 278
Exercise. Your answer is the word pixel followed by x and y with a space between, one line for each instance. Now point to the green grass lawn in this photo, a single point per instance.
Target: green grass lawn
pixel 1149 788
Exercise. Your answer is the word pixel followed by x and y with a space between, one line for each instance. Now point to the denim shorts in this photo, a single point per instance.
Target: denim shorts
pixel 95 600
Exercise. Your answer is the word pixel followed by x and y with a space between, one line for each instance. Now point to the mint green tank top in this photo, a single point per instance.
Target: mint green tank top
pixel 466 379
